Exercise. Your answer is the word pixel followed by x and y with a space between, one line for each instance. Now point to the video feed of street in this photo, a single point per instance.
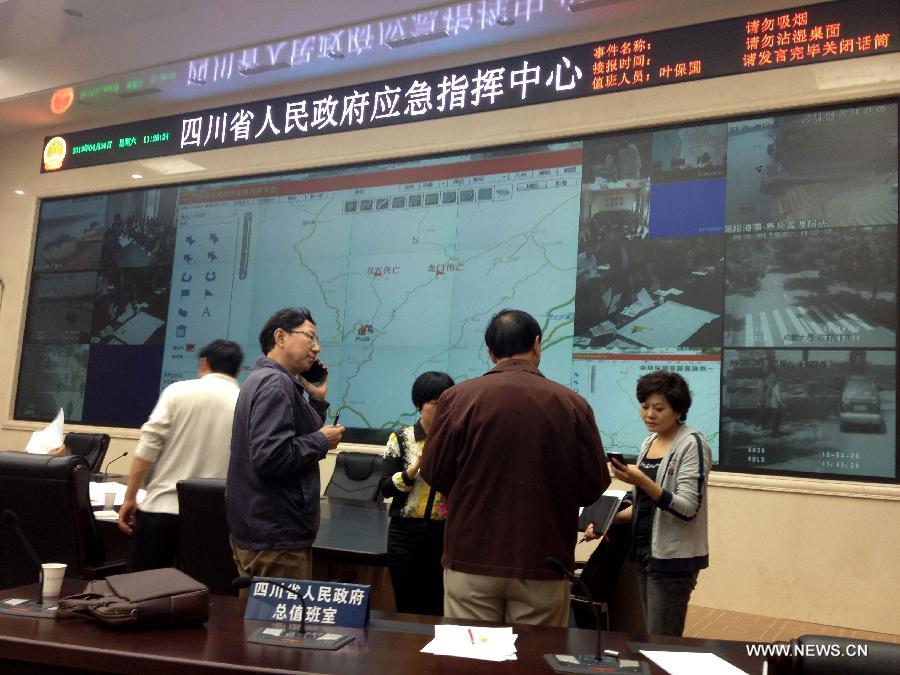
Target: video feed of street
pixel 70 234
pixel 812 289
pixel 827 168
pixel 810 411
pixel 61 308
pixel 56 376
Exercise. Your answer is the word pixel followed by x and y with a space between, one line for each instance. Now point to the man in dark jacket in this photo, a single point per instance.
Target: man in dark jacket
pixel 516 455
pixel 278 438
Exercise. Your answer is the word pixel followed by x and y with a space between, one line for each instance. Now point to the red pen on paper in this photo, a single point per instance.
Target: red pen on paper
pixel 471 637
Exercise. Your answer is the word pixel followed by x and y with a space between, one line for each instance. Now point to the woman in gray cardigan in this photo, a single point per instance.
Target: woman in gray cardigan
pixel 668 514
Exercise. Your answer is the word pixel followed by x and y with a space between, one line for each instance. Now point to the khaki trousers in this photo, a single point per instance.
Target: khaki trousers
pixel 533 601
pixel 292 563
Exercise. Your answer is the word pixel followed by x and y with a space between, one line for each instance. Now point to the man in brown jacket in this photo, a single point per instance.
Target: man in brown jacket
pixel 516 455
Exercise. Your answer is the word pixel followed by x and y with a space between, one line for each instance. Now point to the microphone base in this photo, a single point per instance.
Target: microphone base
pixel 584 663
pixel 29 608
pixel 283 637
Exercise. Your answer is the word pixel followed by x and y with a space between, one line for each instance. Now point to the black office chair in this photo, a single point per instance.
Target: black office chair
pixel 832 655
pixel 612 586
pixel 92 447
pixel 356 476
pixel 51 498
pixel 203 549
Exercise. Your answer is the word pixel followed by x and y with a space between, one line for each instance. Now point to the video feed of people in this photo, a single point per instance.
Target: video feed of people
pixel 657 293
pixel 101 276
pixel 689 153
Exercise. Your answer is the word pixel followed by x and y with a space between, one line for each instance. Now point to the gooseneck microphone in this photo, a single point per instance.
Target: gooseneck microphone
pixel 12 521
pixel 558 567
pixel 244 582
pixel 114 459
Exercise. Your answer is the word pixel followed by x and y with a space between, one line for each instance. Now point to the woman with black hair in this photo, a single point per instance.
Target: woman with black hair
pixel 416 533
pixel 669 511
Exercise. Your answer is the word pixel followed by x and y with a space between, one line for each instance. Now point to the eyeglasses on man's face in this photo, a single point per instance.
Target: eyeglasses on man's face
pixel 312 336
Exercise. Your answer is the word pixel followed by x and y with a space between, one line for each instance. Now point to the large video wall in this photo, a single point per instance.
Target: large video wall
pixel 755 256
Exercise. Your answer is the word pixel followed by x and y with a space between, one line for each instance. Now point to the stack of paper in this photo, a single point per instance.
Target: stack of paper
pixel 473 642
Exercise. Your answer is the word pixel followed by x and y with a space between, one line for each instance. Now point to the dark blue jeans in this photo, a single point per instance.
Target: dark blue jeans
pixel 664 597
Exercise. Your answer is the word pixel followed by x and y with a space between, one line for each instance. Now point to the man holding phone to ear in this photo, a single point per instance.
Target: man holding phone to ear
pixel 278 438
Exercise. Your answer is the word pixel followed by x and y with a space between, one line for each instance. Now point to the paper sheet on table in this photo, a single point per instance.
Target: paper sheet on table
pixel 98 490
pixel 49 438
pixel 473 642
pixel 667 325
pixel 642 302
pixel 691 663
pixel 111 516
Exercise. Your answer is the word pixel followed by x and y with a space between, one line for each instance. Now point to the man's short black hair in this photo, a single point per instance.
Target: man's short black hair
pixel 286 319
pixel 429 387
pixel 511 332
pixel 671 385
pixel 223 356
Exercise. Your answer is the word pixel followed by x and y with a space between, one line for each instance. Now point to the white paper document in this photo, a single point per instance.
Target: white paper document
pixel 473 642
pixel 691 663
pixel 49 438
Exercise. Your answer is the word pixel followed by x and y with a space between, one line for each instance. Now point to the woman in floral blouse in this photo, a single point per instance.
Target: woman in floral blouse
pixel 416 533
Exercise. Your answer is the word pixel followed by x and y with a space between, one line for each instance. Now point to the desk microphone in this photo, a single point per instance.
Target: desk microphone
pixel 12 520
pixel 582 663
pixel 115 459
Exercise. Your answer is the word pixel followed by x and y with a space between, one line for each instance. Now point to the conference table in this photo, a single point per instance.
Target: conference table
pixel 390 644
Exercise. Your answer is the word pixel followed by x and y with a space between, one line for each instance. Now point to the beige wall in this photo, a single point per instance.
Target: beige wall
pixel 809 550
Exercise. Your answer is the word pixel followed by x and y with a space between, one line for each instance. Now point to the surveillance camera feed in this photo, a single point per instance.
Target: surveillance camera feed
pixel 757 257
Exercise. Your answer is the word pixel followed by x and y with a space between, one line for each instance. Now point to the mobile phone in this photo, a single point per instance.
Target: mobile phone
pixel 618 456
pixel 317 372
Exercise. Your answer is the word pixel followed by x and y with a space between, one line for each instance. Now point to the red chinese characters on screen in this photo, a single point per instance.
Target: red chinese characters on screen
pixel 791 39
pixel 621 64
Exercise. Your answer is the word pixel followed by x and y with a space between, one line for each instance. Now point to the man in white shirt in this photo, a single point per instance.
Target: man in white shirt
pixel 188 435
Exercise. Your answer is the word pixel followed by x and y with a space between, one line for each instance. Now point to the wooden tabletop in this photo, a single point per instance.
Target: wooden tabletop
pixel 391 644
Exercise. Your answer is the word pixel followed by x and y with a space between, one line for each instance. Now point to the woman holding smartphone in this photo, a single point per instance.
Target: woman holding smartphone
pixel 669 510
pixel 416 532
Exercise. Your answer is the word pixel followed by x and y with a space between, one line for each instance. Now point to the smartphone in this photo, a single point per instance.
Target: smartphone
pixel 618 456
pixel 317 372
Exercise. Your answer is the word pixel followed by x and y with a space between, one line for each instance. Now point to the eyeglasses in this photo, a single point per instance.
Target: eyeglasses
pixel 312 336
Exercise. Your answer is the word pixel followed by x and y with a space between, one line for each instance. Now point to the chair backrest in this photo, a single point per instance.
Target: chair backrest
pixel 356 476
pixel 92 447
pixel 203 549
pixel 51 497
pixel 606 578
pixel 827 654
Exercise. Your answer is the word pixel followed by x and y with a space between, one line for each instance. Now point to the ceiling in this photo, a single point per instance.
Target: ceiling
pixel 127 58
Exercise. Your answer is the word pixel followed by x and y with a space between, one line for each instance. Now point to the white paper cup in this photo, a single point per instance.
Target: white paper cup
pixel 53 578
pixel 109 501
